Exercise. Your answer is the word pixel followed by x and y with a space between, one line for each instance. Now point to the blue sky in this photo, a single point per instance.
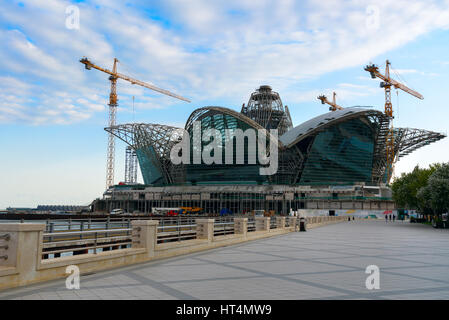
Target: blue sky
pixel 53 111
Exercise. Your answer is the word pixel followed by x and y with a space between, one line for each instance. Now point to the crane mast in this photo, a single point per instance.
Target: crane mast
pixel 110 164
pixel 113 104
pixel 387 83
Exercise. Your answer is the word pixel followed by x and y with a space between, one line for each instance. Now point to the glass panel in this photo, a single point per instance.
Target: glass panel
pixel 243 173
pixel 342 153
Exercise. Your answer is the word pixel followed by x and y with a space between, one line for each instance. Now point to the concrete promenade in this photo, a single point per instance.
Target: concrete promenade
pixel 322 263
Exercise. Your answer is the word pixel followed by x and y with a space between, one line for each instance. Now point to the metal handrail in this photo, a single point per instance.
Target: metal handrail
pixel 176 226
pixel 85 248
pixel 91 241
pixel 224 230
pixel 251 226
pixel 85 241
pixel 64 233
pixel 177 232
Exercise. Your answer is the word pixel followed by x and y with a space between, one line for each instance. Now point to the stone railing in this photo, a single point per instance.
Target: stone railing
pixel 21 247
pixel 314 222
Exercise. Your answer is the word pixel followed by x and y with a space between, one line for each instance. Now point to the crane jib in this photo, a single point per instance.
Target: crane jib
pixel 88 64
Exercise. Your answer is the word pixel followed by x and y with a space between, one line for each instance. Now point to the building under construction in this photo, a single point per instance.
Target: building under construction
pixel 334 161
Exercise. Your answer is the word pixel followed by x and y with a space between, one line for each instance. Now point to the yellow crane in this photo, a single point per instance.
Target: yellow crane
pixel 113 76
pixel 333 105
pixel 387 84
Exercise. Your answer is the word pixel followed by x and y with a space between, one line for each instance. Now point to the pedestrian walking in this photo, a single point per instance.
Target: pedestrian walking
pixel 389 216
pixel 386 218
pixel 394 218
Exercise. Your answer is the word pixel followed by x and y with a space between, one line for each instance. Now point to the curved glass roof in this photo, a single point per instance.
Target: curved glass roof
pixel 297 133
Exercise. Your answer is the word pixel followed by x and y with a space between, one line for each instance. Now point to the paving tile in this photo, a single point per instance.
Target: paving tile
pixel 322 263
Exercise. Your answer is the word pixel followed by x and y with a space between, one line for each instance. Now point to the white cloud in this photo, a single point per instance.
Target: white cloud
pixel 214 50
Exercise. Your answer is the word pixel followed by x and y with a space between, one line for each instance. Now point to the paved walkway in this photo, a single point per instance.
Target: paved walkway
pixel 323 263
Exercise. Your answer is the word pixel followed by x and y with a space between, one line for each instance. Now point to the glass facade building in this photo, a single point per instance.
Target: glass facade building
pixel 343 153
pixel 340 147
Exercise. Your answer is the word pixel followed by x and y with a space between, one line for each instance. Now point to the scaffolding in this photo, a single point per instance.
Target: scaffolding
pixel 265 107
pixel 131 165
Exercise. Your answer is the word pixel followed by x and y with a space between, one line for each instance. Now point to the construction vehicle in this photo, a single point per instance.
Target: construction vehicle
pixel 333 105
pixel 164 211
pixel 113 104
pixel 387 84
pixel 190 210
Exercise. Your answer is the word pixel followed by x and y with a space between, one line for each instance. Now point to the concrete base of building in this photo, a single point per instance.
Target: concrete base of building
pixel 280 199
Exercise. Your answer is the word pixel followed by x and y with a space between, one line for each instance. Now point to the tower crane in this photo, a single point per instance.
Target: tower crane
pixel 113 76
pixel 333 105
pixel 387 83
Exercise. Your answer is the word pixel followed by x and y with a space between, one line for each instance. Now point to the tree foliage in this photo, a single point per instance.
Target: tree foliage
pixel 424 189
pixel 406 187
pixel 438 186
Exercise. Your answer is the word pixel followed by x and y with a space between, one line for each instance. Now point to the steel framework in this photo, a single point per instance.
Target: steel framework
pixel 409 139
pixel 292 157
pixel 113 77
pixel 156 142
pixel 296 151
pixel 265 107
pixel 111 140
pixel 131 165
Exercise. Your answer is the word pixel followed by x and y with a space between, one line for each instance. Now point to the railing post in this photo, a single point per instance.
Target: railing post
pixel 241 226
pixel 24 252
pixel 145 235
pixel 280 222
pixel 205 229
pixel 179 229
pixel 292 222
pixel 81 229
pixel 52 229
pixel 96 242
pixel 263 224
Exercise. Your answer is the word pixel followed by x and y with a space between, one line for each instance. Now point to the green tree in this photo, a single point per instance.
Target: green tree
pixel 424 196
pixel 436 193
pixel 405 188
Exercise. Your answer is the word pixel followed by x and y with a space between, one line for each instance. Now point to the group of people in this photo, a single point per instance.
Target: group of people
pixel 390 217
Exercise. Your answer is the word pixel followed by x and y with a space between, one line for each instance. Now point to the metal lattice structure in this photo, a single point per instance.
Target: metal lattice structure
pixel 408 140
pixel 343 146
pixel 110 163
pixel 152 143
pixel 388 83
pixel 265 107
pixel 213 110
pixel 131 166
pixel 113 77
pixel 300 140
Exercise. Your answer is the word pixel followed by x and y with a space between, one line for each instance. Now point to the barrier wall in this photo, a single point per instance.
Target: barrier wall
pixel 21 244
